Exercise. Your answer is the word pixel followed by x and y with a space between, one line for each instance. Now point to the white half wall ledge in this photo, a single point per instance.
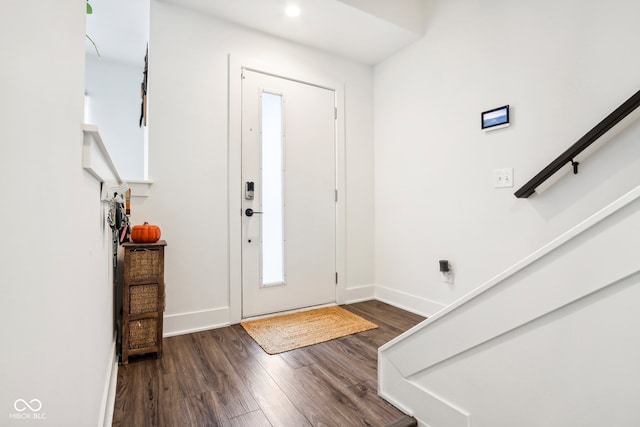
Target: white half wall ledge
pixel 95 157
pixel 97 161
pixel 140 188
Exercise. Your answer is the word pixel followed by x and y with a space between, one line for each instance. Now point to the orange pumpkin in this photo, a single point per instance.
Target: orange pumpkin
pixel 145 233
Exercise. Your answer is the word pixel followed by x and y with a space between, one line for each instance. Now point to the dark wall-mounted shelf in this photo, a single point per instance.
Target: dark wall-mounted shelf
pixel 589 138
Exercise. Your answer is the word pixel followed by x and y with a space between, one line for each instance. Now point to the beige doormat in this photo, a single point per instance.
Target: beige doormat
pixel 290 331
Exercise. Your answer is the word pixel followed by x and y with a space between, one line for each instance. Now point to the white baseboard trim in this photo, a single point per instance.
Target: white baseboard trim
pixel 196 321
pixel 422 306
pixel 359 294
pixel 109 394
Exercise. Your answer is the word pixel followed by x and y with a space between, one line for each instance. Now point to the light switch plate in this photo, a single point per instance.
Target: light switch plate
pixel 503 178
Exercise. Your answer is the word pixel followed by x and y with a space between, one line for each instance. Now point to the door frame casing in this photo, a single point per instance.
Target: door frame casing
pixel 234 167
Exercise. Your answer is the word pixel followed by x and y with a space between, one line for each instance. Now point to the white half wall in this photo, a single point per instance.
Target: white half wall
pixel 57 293
pixel 188 153
pixel 562 67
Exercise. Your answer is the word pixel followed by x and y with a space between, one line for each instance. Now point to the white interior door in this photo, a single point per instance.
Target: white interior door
pixel 289 194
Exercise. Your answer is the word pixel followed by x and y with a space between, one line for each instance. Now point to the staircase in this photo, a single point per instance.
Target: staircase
pixel 552 341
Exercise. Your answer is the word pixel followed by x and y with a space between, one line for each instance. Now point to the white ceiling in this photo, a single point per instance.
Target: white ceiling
pixel 367 31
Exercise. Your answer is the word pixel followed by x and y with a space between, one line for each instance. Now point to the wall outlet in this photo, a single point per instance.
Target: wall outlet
pixel 503 178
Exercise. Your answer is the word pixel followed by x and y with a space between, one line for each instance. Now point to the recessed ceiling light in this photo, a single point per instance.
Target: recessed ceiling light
pixel 292 11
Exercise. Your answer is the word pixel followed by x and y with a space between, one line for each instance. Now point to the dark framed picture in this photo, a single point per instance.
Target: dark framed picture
pixel 496 118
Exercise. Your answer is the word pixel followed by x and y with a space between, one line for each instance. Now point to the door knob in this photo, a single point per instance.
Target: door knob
pixel 250 212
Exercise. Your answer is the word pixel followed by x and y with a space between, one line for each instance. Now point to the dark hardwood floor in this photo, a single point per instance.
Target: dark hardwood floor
pixel 222 377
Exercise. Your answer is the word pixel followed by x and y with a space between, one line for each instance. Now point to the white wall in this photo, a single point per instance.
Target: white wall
pixel 114 103
pixel 188 154
pixel 562 66
pixel 56 305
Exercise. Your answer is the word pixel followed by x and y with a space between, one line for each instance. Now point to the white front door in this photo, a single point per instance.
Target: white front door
pixel 289 194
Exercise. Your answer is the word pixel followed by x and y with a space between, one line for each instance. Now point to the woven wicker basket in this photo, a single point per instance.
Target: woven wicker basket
pixel 144 265
pixel 143 298
pixel 143 333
